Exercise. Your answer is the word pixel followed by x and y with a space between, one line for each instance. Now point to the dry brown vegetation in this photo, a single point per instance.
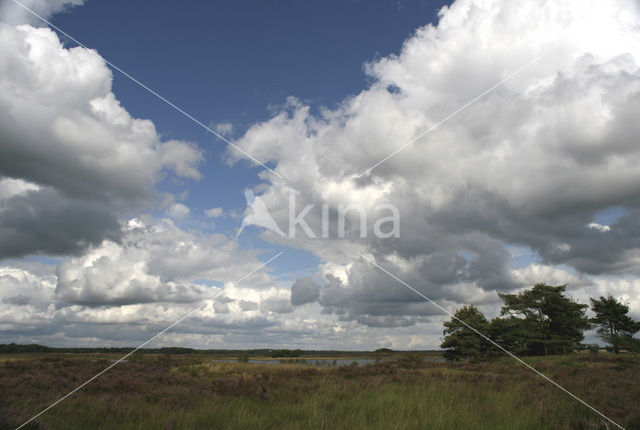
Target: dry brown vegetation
pixel 195 392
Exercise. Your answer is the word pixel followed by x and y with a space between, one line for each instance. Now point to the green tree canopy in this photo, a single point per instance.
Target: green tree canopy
pixel 460 341
pixel 614 324
pixel 551 323
pixel 508 333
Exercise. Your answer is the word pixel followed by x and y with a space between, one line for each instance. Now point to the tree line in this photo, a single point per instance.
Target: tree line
pixel 539 321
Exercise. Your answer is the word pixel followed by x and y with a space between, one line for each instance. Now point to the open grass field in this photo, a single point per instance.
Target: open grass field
pixel 195 392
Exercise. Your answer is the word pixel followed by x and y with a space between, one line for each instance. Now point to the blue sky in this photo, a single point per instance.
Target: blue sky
pixel 103 233
pixel 231 62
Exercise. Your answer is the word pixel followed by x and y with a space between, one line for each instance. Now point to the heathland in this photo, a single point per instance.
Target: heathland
pixel 397 391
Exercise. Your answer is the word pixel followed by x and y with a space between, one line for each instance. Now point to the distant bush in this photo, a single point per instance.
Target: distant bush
pixel 14 348
pixel 286 353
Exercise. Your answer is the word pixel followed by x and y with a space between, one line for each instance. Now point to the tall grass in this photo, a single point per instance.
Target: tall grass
pixel 190 393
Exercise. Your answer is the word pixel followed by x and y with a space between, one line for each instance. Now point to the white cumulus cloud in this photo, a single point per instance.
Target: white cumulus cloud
pixel 73 157
pixel 529 164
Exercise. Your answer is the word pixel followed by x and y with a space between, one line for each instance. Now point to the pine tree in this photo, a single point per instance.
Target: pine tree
pixel 614 325
pixel 460 341
pixel 551 323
